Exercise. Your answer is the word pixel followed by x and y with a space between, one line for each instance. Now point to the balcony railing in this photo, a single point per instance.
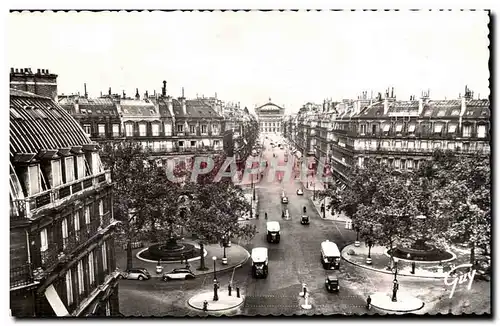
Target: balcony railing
pixel 53 197
pixel 21 275
pixel 76 238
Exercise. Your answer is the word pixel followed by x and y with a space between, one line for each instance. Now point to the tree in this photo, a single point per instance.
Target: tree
pixel 214 214
pixel 127 163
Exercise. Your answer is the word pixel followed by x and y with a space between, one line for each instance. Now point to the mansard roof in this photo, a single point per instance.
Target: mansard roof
pixel 102 106
pixel 38 122
pixel 138 108
pixel 196 108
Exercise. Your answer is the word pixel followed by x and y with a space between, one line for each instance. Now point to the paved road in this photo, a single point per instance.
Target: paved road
pixel 296 259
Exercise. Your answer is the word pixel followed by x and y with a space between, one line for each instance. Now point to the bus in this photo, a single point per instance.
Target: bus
pixel 330 255
pixel 259 262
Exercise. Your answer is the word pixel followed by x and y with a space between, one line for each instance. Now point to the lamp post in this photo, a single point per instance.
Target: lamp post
pixel 253 189
pixel 314 190
pixel 369 258
pixel 214 258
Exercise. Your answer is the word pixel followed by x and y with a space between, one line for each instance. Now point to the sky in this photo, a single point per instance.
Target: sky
pixel 251 57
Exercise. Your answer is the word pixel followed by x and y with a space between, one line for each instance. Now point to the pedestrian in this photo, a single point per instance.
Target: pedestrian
pixel 323 208
pixel 282 214
pixel 265 215
pixel 368 302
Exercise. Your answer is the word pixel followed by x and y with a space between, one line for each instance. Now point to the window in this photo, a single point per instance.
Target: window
pixel 397 163
pixel 409 164
pixel 399 127
pixel 116 130
pixel 203 129
pixel 180 128
pixel 441 113
pixel 438 128
pixel 216 143
pixel 343 159
pixel 215 129
pixel 91 268
pixel 142 129
pixel 155 129
pixel 129 130
pixel 411 128
pixel 437 144
pixel 428 113
pixel 397 144
pixel 192 129
pixel 455 112
pixel 362 129
pixel 466 131
pixel 64 228
pixel 76 223
pixel 387 127
pixel 87 215
pixel 386 144
pixel 481 131
pixel 193 143
pixel 168 129
pixel 181 143
pixel 451 145
pixel 452 128
pixel 80 166
pixel 87 129
pixel 411 144
pixel 104 256
pixel 361 161
pixel 423 144
pixel 44 242
pixel 69 169
pixel 101 211
pixel 34 179
pixel 101 129
pixel 56 173
pixel 81 285
pixel 69 288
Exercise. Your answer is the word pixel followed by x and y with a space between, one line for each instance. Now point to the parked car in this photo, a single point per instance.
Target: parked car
pixel 304 220
pixel 135 274
pixel 300 192
pixel 284 198
pixel 179 274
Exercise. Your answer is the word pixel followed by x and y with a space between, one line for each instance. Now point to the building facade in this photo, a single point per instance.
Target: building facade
pixel 61 218
pixel 396 132
pixel 270 117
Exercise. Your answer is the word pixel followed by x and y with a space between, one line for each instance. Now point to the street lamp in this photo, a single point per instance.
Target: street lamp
pixel 314 190
pixel 395 284
pixel 369 258
pixel 216 286
pixel 214 258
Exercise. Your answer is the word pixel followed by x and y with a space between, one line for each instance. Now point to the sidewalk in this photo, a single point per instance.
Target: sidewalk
pixel 225 301
pixel 236 255
pixel 380 262
pixel 404 303
pixel 254 203
pixel 328 214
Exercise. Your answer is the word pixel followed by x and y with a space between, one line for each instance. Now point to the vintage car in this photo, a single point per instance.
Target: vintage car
pixel 332 283
pixel 300 192
pixel 284 198
pixel 178 274
pixel 304 220
pixel 135 274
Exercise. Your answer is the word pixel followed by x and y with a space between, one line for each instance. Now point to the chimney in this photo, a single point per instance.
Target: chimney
pixel 38 71
pixel 109 91
pixel 183 92
pixel 420 105
pixel 85 90
pixel 101 93
pixel 183 103
pixel 164 89
pixel 463 106
pixel 146 95
pixel 137 96
pixel 124 94
pixel 392 92
pixel 24 80
pixel 215 94
pixel 386 104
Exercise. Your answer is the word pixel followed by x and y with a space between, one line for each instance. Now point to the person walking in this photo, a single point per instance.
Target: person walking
pixel 368 302
pixel 265 215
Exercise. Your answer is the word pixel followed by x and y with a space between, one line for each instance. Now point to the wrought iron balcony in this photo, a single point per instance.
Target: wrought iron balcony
pixel 21 275
pixel 25 208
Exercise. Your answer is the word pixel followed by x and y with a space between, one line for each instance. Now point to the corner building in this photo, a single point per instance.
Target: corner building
pixel 62 259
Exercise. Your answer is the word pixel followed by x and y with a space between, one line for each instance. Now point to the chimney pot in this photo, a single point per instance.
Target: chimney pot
pixel 38 71
pixel 47 70
pixel 17 70
pixel 11 70
pixel 109 91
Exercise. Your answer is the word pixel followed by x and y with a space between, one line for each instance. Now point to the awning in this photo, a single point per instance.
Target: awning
pixel 387 127
pixel 55 301
pixel 399 127
pixel 452 128
pixel 411 128
pixel 438 128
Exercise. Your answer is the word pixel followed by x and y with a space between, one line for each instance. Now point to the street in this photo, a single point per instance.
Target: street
pixel 293 261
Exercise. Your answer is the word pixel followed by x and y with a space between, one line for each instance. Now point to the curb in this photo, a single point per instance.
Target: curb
pixel 400 311
pixel 218 310
pixel 320 214
pixel 383 271
pixel 238 265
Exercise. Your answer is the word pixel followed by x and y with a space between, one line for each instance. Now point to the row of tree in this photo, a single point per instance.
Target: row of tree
pixel 446 200
pixel 150 204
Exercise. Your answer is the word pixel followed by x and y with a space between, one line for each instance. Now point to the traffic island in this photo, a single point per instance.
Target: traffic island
pixel 404 303
pixel 225 301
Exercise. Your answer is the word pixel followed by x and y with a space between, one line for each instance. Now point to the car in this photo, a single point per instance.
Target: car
pixel 179 274
pixel 135 274
pixel 332 283
pixel 304 220
pixel 284 198
pixel 300 192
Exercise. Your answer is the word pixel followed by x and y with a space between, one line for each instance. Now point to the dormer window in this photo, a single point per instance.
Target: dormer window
pixel 427 113
pixel 452 128
pixel 69 169
pixel 129 130
pixel 56 173
pixel 155 129
pixel 438 128
pixel 387 127
pixel 399 127
pixel 142 129
pixel 411 128
pixel 470 112
pixel 180 128
pixel 455 112
pixel 441 113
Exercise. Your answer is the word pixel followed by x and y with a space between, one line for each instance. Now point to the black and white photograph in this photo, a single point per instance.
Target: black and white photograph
pixel 210 163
